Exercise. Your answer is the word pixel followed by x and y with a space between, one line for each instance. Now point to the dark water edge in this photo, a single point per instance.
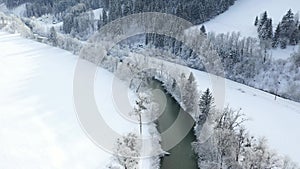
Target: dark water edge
pixel 182 156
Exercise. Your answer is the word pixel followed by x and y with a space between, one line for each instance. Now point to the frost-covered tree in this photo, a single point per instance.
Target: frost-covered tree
pixel 53 36
pixel 140 108
pixel 265 27
pixel 296 57
pixel 190 96
pixel 262 21
pixel 128 150
pixel 275 40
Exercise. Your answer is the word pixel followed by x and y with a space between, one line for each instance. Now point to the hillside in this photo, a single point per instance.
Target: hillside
pixel 240 18
pixel 276 120
pixel 38 124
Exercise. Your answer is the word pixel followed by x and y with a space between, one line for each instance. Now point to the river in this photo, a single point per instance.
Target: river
pixel 181 156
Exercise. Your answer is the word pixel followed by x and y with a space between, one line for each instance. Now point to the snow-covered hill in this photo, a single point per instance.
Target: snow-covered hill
pixel 240 18
pixel 38 124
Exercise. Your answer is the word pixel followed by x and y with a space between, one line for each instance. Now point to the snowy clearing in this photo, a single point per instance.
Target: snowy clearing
pixel 283 53
pixel 240 17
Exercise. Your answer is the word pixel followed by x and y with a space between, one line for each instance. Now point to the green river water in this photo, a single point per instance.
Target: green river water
pixel 181 156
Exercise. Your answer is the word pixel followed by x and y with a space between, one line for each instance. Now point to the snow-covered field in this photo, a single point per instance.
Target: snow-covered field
pixel 38 123
pixel 39 126
pixel 276 120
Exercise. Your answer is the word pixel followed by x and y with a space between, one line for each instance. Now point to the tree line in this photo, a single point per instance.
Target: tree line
pixel 286 33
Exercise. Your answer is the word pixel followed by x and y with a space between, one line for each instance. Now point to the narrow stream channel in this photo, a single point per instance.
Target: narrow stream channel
pixel 181 156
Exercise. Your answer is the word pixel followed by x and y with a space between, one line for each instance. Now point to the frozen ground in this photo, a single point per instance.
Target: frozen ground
pixel 38 123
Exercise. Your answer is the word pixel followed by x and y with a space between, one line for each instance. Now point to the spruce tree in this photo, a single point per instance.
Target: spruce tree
pixel 262 21
pixel 275 40
pixel 205 105
pixel 269 29
pixel 283 42
pixel 104 17
pixel 256 21
pixel 294 39
pixel 203 30
pixel 287 26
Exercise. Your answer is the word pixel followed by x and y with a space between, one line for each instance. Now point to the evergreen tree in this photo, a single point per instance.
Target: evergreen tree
pixel 205 105
pixel 287 26
pixel 275 40
pixel 256 21
pixel 262 21
pixel 203 30
pixel 269 29
pixel 283 42
pixel 294 39
pixel 104 17
pixel 265 30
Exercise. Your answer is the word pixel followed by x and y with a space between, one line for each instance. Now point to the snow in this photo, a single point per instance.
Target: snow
pixel 38 124
pixel 276 120
pixel 43 24
pixel 240 17
pixel 98 13
pixel 18 11
pixel 283 53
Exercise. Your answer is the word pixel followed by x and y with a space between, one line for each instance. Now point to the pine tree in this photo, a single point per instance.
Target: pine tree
pixel 262 21
pixel 269 29
pixel 287 26
pixel 294 39
pixel 283 42
pixel 205 105
pixel 104 17
pixel 256 21
pixel 203 30
pixel 275 40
